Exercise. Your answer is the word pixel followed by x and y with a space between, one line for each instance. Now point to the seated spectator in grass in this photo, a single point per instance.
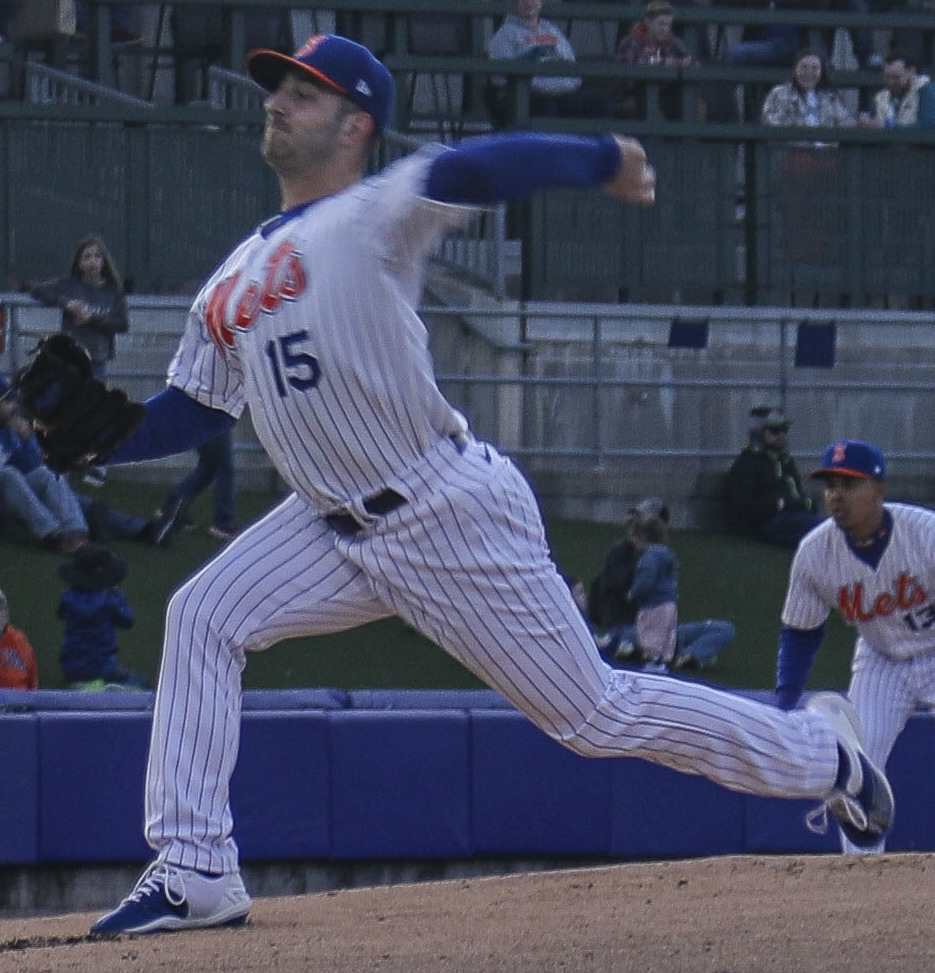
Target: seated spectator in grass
pixel 45 501
pixel 29 491
pixel 765 496
pixel 655 592
pixel 612 613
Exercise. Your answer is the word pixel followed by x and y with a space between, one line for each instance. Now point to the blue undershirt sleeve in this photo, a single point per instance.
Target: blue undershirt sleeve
pixel 498 168
pixel 797 650
pixel 174 423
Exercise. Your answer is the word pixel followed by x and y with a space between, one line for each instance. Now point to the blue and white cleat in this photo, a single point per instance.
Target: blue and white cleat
pixel 167 898
pixel 862 800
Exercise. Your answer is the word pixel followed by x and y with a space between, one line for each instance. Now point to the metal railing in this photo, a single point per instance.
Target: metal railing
pixel 230 90
pixel 170 198
pixel 45 85
pixel 603 384
pixel 573 386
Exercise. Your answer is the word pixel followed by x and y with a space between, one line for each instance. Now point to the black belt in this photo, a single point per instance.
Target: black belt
pixel 379 505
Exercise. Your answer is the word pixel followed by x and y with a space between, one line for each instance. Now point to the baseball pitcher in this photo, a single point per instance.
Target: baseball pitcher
pixel 395 507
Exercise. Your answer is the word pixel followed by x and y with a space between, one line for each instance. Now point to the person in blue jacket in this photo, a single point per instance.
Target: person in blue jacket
pixel 93 607
pixel 29 490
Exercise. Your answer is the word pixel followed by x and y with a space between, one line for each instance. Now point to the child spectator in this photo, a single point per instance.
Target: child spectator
pixel 655 592
pixel 93 607
pixel 17 659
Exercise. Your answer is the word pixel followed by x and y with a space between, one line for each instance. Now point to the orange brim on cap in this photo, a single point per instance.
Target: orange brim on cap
pixel 268 68
pixel 856 474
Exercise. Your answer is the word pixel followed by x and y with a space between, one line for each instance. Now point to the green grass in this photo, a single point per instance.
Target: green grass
pixel 721 576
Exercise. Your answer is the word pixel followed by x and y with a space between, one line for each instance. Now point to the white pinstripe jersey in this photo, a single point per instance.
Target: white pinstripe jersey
pixel 311 323
pixel 892 606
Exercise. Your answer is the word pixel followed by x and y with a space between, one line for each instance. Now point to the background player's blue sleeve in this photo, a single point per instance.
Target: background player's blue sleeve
pixel 797 650
pixel 497 168
pixel 174 423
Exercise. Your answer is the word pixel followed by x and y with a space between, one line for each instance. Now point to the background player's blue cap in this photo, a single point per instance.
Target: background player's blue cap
pixel 341 64
pixel 851 457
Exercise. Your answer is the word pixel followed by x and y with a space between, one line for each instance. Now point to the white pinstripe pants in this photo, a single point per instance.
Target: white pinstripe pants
pixel 885 692
pixel 465 562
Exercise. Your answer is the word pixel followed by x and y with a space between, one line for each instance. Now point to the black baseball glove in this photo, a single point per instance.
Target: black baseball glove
pixel 78 420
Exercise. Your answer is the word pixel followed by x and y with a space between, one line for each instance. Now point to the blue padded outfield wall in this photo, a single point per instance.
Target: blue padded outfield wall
pixel 336 776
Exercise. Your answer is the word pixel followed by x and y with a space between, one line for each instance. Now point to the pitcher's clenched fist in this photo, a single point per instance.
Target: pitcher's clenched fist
pixel 635 181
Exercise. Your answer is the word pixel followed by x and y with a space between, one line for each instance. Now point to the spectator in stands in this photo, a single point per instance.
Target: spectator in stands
pixel 18 669
pixel 807 98
pixel 651 41
pixel 765 496
pixel 527 36
pixel 907 98
pixel 215 465
pixel 776 45
pixel 92 608
pixel 29 490
pixel 94 309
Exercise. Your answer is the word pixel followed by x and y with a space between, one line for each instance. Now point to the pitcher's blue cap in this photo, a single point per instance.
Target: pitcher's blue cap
pixel 851 457
pixel 341 64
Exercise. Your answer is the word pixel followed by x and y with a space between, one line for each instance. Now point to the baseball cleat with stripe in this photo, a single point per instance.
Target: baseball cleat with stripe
pixel 862 802
pixel 167 898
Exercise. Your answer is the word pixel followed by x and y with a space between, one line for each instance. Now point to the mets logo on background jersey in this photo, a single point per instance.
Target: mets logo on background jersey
pixel 284 280
pixel 856 607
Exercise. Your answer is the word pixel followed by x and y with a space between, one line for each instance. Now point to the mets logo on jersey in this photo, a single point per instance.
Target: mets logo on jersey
pixel 855 606
pixel 283 280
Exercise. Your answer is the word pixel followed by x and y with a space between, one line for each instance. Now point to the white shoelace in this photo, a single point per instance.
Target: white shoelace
pixel 817 821
pixel 158 878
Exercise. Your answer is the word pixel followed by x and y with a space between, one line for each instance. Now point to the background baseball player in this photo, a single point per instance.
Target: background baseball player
pixel 396 509
pixel 875 563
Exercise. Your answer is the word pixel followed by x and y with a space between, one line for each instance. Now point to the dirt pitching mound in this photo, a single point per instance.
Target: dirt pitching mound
pixel 812 914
